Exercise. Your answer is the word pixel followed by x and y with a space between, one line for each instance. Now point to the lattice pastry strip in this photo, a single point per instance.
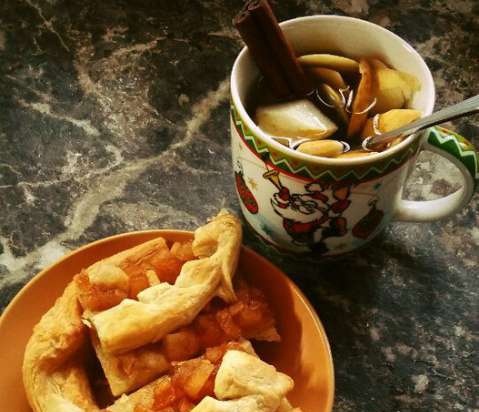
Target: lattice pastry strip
pixel 162 308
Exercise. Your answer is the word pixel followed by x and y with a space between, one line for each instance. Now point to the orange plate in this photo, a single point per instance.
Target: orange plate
pixel 304 352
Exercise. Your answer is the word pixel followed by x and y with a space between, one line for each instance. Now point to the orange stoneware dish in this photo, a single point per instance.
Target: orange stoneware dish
pixel 303 352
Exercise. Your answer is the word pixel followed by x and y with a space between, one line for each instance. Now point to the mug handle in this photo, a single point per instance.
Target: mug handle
pixel 457 150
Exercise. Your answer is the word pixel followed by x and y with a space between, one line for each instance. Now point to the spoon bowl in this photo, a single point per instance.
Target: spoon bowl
pixel 464 108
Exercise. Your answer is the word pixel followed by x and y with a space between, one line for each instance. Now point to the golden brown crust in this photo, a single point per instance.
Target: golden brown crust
pixel 132 370
pixel 134 256
pixel 47 369
pixel 245 383
pixel 242 374
pixel 222 237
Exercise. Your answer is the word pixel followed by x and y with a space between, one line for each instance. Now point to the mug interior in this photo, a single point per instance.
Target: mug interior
pixel 348 36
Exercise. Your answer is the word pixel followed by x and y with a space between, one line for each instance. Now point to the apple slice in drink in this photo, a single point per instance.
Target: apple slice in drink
pixel 330 61
pixel 323 148
pixel 393 89
pixel 363 99
pixel 296 119
pixel 392 119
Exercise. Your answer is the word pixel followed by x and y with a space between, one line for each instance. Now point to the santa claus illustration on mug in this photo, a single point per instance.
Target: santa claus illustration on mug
pixel 311 217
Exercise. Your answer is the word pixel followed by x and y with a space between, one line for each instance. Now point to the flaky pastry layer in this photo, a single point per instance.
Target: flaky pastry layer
pixel 163 308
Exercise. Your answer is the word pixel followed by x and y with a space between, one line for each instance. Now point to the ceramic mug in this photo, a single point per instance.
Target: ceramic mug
pixel 303 203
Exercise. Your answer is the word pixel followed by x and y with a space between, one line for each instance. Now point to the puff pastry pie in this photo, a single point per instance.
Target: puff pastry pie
pixel 159 327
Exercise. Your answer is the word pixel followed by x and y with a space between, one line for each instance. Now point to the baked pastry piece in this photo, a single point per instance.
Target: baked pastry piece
pixel 107 282
pixel 163 308
pixel 54 358
pixel 249 317
pixel 220 239
pixel 228 378
pixel 189 289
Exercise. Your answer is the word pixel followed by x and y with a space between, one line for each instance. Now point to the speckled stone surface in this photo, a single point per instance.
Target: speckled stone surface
pixel 114 117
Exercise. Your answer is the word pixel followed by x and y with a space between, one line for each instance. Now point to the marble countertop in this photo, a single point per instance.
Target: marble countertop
pixel 114 117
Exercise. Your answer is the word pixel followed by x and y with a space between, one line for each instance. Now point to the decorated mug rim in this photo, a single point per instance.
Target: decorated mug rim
pixel 325 160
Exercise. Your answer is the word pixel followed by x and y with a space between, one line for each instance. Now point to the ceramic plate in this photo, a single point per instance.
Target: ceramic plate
pixel 304 352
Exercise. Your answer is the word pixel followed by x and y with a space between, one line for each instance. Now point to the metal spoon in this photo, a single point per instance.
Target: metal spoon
pixel 455 111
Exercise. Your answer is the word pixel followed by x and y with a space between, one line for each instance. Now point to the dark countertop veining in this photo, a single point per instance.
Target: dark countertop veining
pixel 114 117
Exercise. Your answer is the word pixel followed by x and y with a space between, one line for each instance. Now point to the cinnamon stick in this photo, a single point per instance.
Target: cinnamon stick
pixel 270 49
pixel 282 49
pixel 261 53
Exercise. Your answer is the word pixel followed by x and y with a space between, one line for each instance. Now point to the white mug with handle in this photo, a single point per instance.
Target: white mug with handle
pixel 303 203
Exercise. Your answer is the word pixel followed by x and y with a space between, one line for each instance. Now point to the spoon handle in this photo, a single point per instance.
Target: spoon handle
pixel 455 111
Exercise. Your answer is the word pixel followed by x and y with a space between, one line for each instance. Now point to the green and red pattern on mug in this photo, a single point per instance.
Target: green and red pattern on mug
pixel 303 203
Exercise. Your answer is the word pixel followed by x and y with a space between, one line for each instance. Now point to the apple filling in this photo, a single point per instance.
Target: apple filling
pixel 188 382
pixel 106 285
